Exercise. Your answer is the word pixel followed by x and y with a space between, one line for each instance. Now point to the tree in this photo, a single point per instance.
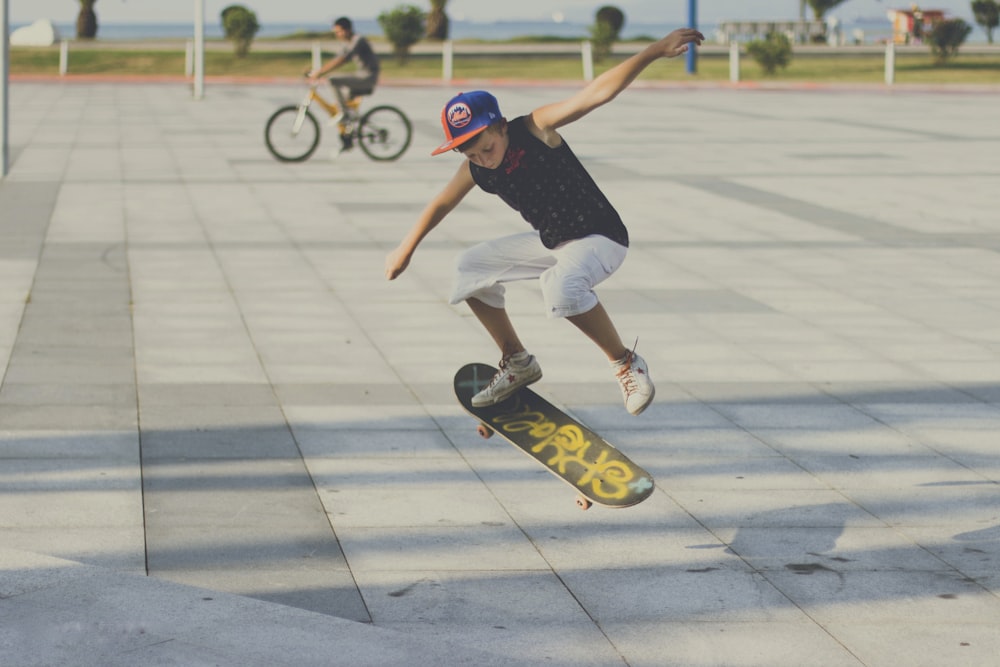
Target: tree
pixel 437 21
pixel 86 20
pixel 987 15
pixel 608 24
pixel 240 25
pixel 403 27
pixel 771 53
pixel 945 37
pixel 821 7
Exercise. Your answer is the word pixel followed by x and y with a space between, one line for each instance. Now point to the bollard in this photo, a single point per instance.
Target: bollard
pixel 448 61
pixel 890 64
pixel 734 62
pixel 63 57
pixel 317 56
pixel 587 53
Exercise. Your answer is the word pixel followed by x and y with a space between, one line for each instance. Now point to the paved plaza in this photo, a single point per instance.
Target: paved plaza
pixel 226 439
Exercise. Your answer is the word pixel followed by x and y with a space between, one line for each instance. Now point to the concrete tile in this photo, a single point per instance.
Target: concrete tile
pixel 351 417
pixel 719 510
pixel 707 644
pixel 339 442
pixel 76 443
pixel 66 417
pixel 510 599
pixel 378 493
pixel 850 597
pixel 51 393
pixel 490 546
pixel 817 417
pixel 671 595
pixel 565 643
pixel 919 642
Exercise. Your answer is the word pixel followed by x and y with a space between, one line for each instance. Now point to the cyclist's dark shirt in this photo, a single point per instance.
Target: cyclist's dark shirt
pixel 360 51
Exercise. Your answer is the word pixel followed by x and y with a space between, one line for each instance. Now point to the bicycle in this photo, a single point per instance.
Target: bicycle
pixel 292 132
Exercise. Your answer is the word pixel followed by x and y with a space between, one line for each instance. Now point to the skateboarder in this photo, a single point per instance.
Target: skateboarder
pixel 578 239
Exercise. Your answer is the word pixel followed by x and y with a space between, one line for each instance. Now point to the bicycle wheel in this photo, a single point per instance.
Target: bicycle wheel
pixel 292 133
pixel 384 133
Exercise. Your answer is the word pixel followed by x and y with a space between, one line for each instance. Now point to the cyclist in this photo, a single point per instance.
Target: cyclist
pixel 579 239
pixel 362 81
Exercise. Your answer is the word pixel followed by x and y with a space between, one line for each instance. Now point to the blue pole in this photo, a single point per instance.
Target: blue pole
pixel 692 54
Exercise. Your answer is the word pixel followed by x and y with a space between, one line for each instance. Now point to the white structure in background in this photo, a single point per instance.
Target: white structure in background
pixel 39 33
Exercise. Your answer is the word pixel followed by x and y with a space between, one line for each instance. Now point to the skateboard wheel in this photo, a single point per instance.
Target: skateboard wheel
pixel 583 503
pixel 484 431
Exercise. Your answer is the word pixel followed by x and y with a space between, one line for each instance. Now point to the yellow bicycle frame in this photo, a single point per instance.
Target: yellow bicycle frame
pixel 332 109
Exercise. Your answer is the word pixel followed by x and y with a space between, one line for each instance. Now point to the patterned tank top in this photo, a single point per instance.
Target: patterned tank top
pixel 551 190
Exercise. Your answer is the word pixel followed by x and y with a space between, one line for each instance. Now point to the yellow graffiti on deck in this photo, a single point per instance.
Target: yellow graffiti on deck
pixel 608 479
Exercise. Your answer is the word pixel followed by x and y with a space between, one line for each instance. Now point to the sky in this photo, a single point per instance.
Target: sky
pixel 580 11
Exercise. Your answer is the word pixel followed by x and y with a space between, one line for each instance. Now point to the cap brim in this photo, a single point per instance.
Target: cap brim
pixel 458 141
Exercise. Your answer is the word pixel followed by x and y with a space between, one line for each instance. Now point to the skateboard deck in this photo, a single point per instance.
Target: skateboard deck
pixel 600 473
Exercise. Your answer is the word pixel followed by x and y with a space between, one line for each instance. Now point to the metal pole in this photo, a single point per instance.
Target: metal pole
pixel 5 75
pixel 199 49
pixel 317 55
pixel 692 54
pixel 448 61
pixel 890 63
pixel 587 53
pixel 734 61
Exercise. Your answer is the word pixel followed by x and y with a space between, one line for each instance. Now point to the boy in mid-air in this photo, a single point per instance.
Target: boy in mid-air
pixel 578 238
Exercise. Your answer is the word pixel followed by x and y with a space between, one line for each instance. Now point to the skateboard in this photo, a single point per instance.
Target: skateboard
pixel 569 450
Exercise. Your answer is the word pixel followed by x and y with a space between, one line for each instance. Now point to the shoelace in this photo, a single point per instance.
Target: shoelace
pixel 627 377
pixel 504 363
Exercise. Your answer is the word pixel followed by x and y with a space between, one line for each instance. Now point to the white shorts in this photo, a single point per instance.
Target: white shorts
pixel 568 274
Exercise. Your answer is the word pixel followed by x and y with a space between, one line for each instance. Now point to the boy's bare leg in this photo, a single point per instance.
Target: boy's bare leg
pixel 517 367
pixel 596 324
pixel 630 369
pixel 498 324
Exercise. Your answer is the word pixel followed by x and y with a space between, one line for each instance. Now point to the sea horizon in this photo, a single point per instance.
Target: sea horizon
pixel 874 29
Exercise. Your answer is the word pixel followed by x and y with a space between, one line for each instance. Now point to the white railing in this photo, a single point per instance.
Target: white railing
pixel 449 52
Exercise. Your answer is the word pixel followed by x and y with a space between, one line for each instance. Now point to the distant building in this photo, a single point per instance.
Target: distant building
pixel 39 33
pixel 910 25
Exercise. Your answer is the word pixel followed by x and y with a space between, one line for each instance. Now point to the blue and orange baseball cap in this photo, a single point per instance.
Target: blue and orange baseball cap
pixel 466 116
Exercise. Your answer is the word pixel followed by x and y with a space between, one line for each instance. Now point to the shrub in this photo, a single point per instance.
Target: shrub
pixel 987 15
pixel 608 23
pixel 771 53
pixel 403 27
pixel 239 25
pixel 946 36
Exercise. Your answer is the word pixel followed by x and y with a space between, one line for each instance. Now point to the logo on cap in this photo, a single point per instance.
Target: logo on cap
pixel 459 115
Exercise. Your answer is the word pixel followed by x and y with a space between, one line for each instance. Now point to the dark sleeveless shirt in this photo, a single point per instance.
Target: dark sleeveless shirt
pixel 550 189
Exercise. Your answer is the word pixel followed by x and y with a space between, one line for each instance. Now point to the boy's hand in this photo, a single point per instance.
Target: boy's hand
pixel 677 42
pixel 395 263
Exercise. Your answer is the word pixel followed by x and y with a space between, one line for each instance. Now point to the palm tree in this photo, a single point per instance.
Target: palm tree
pixel 86 21
pixel 437 21
pixel 821 7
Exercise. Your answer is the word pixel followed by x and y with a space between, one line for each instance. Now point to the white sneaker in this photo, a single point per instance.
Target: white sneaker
pixel 516 371
pixel 637 387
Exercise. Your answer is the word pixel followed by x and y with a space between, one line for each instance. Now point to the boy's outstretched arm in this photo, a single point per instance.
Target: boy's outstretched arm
pixel 606 87
pixel 435 211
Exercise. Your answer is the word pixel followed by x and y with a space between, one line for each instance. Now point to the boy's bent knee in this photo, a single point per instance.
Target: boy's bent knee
pixel 566 296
